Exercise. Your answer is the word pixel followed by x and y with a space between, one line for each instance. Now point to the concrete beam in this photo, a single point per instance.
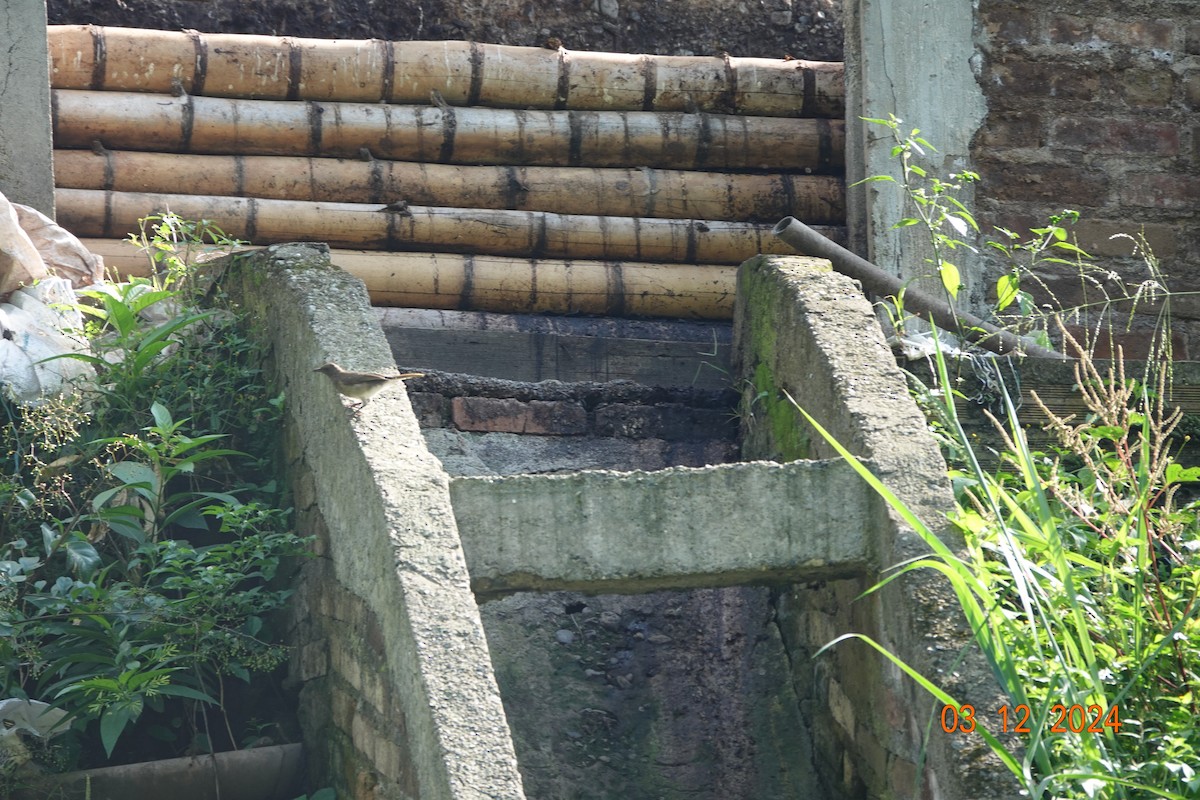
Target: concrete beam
pixel 26 150
pixel 609 532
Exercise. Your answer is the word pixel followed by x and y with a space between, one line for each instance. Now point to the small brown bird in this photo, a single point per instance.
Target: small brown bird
pixel 361 386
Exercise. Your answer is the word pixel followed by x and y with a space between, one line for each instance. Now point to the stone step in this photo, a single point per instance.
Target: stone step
pixel 530 348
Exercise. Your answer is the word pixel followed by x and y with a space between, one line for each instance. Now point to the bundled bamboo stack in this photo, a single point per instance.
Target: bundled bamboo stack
pixel 543 179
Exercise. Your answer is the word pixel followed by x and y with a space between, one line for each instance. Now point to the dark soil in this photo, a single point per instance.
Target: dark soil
pixel 809 29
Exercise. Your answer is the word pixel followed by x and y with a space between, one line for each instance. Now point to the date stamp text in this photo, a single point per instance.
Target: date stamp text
pixel 1017 719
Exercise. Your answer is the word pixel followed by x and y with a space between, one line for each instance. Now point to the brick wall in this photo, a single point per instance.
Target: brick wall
pixel 1092 105
pixel 572 425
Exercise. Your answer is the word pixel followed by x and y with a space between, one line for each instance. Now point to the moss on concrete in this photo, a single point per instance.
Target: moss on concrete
pixel 771 408
pixel 771 423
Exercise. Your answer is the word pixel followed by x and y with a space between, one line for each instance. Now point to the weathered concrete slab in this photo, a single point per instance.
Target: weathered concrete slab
pixel 529 348
pixel 473 454
pixel 616 532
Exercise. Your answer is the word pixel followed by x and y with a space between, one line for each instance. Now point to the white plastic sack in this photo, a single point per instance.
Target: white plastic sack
pixel 30 716
pixel 32 331
pixel 62 253
pixel 20 264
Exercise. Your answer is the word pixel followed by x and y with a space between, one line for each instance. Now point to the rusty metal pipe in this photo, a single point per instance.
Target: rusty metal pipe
pixel 874 280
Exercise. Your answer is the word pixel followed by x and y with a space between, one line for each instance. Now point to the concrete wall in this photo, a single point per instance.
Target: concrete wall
pixel 26 157
pixel 916 60
pixel 397 694
pixel 809 332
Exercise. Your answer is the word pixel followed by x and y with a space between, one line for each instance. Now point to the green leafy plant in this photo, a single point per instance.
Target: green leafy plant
pixel 1080 574
pixel 1064 618
pixel 141 532
pixel 934 201
pixel 1024 301
pixel 142 505
pixel 172 245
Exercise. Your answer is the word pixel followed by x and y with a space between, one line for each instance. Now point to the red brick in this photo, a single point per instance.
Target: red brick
pixel 1134 344
pixel 1096 33
pixel 1185 307
pixel 1044 183
pixel 1193 38
pixel 1010 25
pixel 1012 130
pixel 1059 287
pixel 1135 137
pixel 429 408
pixel 1060 80
pixel 1147 88
pixel 671 422
pixel 1160 190
pixel 507 415
pixel 1191 90
pixel 1095 236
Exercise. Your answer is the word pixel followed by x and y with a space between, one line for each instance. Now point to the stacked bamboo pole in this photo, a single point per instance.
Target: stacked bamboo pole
pixel 450 281
pixel 88 212
pixel 497 178
pixel 644 192
pixel 464 73
pixel 448 135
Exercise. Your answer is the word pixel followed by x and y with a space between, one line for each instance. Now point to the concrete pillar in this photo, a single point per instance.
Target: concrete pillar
pixel 26 150
pixel 915 59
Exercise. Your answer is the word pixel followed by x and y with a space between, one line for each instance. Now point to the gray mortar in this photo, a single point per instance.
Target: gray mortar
pixel 591 394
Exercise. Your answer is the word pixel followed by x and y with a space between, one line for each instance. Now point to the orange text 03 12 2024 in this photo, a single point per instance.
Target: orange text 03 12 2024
pixel 1060 718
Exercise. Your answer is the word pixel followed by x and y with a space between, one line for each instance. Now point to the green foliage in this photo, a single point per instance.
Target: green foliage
pixel 173 244
pixel 937 208
pixel 1098 568
pixel 1081 586
pixel 1024 302
pixel 140 528
pixel 1080 575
